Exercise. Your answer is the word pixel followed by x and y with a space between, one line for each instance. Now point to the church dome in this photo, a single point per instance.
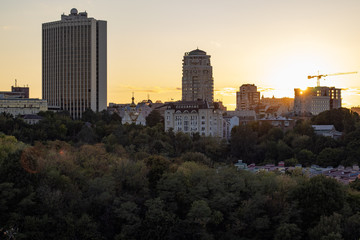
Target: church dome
pixel 197 52
pixel 74 11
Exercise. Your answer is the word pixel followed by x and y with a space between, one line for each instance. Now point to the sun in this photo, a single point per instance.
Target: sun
pixel 292 69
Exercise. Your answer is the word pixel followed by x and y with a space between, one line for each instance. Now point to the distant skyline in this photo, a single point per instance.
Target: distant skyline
pixel 272 44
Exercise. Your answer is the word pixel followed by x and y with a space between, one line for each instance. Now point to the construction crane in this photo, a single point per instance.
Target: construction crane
pixel 325 75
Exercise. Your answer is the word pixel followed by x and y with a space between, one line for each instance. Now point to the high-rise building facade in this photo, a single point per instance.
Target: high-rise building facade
pixel 74 63
pixel 197 80
pixel 315 100
pixel 248 97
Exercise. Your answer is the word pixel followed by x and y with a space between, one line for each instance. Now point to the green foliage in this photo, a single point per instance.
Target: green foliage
pixel 291 162
pixel 343 119
pixel 99 179
pixel 330 157
pixel 154 118
pixel 329 227
pixel 243 141
pixel 319 196
pixel 305 157
pixel 288 231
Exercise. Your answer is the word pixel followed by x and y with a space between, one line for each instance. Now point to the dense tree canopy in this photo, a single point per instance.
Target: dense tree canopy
pixel 95 178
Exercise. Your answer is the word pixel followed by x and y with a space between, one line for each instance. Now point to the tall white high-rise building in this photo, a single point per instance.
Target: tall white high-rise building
pixel 197 80
pixel 74 63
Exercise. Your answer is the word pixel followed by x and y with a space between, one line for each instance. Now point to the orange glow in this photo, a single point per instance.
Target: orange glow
pixel 276 50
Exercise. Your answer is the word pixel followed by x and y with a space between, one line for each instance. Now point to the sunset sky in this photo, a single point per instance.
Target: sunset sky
pixel 274 44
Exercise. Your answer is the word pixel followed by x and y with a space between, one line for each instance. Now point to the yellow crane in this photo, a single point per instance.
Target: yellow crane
pixel 325 75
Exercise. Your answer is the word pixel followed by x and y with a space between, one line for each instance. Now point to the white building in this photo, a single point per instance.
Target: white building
pixel 315 100
pixel 229 122
pixel 326 131
pixel 133 114
pixel 197 80
pixel 194 117
pixel 22 106
pixel 74 63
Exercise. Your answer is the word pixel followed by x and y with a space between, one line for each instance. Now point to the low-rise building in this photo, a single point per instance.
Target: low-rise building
pixel 194 117
pixel 326 131
pixel 278 121
pixel 16 92
pixel 22 106
pixel 32 118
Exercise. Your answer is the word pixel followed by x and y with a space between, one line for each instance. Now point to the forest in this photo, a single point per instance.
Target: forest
pixel 95 178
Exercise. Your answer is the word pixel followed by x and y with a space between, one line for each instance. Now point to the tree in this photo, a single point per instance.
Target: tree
pixel 318 196
pixel 328 228
pixel 157 166
pixel 275 134
pixel 196 157
pixel 342 119
pixel 288 231
pixel 154 118
pixel 284 151
pixel 305 157
pixel 200 212
pixel 242 142
pixel 330 157
pixel 158 222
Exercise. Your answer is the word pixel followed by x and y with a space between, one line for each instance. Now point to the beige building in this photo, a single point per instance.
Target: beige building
pixel 197 80
pixel 247 98
pixel 74 63
pixel 22 106
pixel 315 100
pixel 194 117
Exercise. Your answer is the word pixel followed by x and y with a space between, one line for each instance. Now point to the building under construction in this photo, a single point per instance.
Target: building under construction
pixel 315 100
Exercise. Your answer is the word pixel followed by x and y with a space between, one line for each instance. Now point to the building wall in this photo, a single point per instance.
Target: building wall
pixel 197 80
pixel 102 65
pixel 206 122
pixel 23 106
pixel 248 97
pixel 228 124
pixel 74 63
pixel 316 100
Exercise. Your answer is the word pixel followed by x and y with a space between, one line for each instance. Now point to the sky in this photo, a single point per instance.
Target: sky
pixel 274 44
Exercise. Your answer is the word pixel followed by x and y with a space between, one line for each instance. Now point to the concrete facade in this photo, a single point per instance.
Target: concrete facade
pixel 16 92
pixel 315 100
pixel 22 106
pixel 74 63
pixel 247 98
pixel 197 80
pixel 194 117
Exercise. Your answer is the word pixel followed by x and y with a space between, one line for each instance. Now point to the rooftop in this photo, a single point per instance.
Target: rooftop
pixel 323 127
pixel 197 52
